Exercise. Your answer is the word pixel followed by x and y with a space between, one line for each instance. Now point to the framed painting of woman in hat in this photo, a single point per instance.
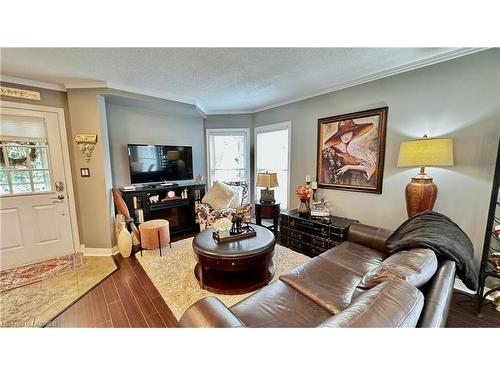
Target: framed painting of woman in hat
pixel 351 151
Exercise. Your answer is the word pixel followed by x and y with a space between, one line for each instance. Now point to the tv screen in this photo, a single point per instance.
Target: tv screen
pixel 157 163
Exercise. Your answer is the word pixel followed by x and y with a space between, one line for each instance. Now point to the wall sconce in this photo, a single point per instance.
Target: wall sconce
pixel 86 144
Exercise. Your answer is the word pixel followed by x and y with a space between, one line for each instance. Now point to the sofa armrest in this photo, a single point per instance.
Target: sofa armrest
pixel 438 293
pixel 366 235
pixel 209 312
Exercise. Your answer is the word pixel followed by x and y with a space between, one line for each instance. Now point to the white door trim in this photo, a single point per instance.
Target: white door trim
pixel 269 128
pixel 66 160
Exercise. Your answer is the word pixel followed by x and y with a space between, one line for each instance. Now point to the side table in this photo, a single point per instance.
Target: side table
pixel 267 211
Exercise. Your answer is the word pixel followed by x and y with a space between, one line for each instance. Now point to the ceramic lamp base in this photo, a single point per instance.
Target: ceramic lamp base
pixel 267 196
pixel 421 194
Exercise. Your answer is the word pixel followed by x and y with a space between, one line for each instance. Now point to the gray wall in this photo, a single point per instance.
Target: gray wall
pixel 132 124
pixel 459 99
pixel 229 121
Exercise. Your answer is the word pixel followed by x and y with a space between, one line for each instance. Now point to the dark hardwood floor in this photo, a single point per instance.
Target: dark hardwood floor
pixel 463 313
pixel 128 298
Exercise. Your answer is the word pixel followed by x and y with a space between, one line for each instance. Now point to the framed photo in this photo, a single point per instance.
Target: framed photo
pixel 351 151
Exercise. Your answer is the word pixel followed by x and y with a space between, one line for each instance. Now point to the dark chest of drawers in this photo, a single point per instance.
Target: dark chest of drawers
pixel 312 236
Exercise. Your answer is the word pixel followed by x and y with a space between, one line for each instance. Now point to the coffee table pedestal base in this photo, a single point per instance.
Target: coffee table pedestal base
pixel 234 282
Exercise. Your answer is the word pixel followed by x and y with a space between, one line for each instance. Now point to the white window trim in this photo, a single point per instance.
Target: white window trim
pixel 229 131
pixel 266 129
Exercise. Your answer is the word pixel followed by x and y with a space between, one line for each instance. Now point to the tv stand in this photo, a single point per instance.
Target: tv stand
pixel 157 203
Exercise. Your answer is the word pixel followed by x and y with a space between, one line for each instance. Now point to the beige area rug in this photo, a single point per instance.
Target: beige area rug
pixel 173 276
pixel 35 304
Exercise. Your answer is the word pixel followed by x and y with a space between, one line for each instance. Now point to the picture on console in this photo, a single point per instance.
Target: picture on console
pixel 351 151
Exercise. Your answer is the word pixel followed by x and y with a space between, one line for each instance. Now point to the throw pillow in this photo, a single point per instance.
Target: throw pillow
pixel 415 266
pixel 236 201
pixel 219 196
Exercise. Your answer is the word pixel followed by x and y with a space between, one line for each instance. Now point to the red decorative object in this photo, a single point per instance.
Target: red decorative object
pixel 496 230
pixel 303 192
pixel 170 199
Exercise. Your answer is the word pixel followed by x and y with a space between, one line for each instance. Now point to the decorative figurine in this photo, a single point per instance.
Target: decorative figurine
pixel 237 220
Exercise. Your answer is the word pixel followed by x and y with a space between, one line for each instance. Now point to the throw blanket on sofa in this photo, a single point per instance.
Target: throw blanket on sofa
pixel 437 232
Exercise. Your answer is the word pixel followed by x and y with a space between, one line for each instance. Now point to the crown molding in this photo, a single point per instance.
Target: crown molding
pixel 235 112
pixel 201 107
pixel 32 82
pixel 85 84
pixel 450 55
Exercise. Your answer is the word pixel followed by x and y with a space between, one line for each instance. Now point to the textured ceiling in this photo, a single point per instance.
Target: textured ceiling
pixel 217 79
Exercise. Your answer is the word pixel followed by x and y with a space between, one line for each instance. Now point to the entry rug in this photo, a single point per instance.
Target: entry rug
pixel 172 274
pixel 36 304
pixel 31 273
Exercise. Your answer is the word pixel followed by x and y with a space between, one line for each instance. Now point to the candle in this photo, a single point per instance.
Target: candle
pixel 314 185
pixel 308 178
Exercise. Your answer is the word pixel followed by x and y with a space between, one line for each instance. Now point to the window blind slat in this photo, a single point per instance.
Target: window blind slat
pixel 20 127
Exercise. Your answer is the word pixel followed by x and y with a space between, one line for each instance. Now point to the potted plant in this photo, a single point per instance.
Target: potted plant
pixel 304 194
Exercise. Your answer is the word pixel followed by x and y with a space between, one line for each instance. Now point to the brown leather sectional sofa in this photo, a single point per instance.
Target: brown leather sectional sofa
pixel 355 284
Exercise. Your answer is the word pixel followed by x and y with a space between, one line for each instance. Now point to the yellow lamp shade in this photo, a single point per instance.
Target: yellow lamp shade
pixel 267 180
pixel 426 152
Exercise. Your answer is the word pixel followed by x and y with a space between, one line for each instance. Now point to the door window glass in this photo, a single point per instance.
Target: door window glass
pixel 24 162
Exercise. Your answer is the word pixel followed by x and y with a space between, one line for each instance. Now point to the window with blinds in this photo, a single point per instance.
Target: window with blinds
pixel 24 161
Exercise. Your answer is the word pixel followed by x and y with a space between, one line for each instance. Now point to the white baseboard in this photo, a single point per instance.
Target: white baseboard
pixel 98 251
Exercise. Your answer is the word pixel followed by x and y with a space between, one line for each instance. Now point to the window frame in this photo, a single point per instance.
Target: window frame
pixel 229 131
pixel 269 129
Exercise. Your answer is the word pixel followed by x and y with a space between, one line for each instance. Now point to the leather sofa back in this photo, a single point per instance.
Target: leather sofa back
pixel 369 236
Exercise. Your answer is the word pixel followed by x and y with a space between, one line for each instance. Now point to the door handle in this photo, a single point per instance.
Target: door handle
pixel 60 197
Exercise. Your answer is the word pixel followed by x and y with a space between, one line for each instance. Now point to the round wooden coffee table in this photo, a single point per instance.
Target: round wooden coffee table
pixel 235 267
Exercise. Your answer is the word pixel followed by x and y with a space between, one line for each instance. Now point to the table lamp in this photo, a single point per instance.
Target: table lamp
pixel 421 192
pixel 267 180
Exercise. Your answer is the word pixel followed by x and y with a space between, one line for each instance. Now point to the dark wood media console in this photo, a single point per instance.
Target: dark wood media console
pixel 180 212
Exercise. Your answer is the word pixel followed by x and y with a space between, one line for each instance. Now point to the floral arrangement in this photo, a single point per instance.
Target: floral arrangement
pixel 222 224
pixel 303 192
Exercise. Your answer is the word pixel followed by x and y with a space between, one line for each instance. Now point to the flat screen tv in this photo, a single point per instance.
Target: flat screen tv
pixel 158 163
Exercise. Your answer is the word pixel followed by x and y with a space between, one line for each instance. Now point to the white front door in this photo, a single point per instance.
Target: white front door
pixel 35 218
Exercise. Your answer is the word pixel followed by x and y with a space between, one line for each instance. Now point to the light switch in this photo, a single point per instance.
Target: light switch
pixel 85 172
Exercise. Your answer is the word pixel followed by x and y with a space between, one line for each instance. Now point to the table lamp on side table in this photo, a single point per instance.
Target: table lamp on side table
pixel 267 180
pixel 421 192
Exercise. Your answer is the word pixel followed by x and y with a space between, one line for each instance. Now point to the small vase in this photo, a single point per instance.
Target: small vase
pixel 304 209
pixel 125 242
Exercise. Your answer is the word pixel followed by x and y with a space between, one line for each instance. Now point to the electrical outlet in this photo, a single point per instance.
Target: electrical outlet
pixel 85 172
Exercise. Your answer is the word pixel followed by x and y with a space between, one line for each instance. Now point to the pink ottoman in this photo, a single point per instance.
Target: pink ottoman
pixel 154 234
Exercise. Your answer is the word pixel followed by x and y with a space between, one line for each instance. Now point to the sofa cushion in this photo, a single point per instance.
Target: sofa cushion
pixel 416 266
pixel 279 306
pixel 219 196
pixel 391 304
pixel 328 284
pixel 357 258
